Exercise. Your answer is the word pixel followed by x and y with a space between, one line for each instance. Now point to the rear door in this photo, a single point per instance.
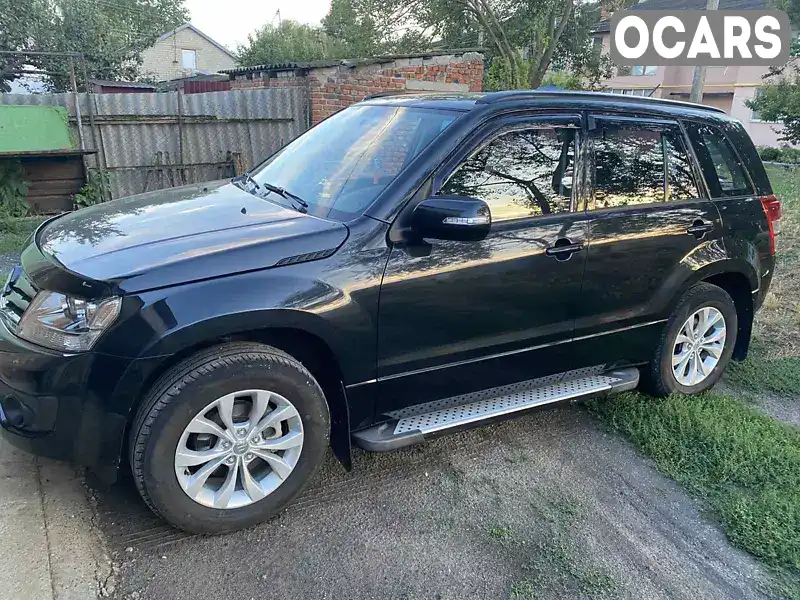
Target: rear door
pixel 650 222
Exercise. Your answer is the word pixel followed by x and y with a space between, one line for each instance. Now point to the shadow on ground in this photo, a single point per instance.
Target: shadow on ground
pixel 547 506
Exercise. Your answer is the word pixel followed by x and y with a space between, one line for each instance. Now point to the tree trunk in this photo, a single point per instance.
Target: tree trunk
pixel 491 24
pixel 538 71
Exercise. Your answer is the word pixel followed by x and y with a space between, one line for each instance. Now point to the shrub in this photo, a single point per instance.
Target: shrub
pixel 13 189
pixel 94 192
pixel 781 155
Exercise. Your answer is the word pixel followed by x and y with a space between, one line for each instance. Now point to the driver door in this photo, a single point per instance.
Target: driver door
pixel 469 316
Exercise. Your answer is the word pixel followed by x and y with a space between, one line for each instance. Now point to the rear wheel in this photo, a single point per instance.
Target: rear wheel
pixel 229 437
pixel 697 343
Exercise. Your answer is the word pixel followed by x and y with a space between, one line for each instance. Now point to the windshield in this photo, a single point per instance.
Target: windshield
pixel 340 166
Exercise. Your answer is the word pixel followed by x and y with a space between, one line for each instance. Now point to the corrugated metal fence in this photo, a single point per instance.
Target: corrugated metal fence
pixel 156 140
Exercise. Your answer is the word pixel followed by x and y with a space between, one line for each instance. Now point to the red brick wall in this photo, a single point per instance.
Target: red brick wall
pixel 335 88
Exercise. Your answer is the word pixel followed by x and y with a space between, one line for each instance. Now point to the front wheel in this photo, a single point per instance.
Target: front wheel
pixel 229 437
pixel 696 345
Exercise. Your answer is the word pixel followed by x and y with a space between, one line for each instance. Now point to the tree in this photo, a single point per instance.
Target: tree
pixel 111 34
pixel 779 99
pixel 21 24
pixel 539 30
pixel 357 31
pixel 290 41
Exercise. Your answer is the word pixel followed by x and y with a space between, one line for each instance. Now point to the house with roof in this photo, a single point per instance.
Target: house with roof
pixel 727 88
pixel 185 52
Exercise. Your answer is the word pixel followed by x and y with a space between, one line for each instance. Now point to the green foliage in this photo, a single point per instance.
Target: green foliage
pixel 14 232
pixel 792 7
pixel 13 189
pixel 779 100
pixel 522 590
pixel 745 465
pixel 503 533
pixel 111 35
pixel 782 155
pixel 355 29
pixel 549 31
pixel 289 41
pixel 502 76
pixel 95 191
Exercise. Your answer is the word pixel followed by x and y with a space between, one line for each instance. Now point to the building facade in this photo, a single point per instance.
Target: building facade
pixel 727 88
pixel 184 52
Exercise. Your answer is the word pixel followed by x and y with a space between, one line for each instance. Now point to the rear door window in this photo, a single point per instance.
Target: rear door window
pixel 724 172
pixel 641 165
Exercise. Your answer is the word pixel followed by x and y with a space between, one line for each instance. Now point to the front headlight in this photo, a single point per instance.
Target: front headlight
pixel 68 324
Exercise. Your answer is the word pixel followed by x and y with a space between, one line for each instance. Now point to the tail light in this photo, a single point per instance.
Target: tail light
pixel 772 208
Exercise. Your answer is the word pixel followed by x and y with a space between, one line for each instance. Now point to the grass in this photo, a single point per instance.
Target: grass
pixel 760 372
pixel 501 533
pixel 556 559
pixel 522 590
pixel 774 361
pixel 14 232
pixel 743 465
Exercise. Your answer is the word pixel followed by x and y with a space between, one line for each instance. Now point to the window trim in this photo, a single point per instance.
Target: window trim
pixel 648 123
pixel 644 72
pixel 503 125
pixel 194 52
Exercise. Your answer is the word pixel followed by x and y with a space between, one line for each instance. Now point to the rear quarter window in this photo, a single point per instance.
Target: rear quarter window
pixel 724 172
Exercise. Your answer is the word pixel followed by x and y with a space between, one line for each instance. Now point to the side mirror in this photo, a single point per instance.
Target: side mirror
pixel 456 218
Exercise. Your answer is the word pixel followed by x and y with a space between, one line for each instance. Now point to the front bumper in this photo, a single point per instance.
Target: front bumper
pixel 55 404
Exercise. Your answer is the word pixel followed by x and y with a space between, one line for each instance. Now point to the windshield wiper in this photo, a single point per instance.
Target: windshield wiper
pixel 286 194
pixel 246 178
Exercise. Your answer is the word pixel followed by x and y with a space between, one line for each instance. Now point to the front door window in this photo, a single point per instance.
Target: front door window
pixel 520 173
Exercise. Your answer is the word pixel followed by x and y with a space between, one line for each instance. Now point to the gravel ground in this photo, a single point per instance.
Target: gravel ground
pixel 547 506
pixel 7 261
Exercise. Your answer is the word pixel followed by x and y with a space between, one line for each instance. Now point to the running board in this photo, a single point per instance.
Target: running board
pixel 414 424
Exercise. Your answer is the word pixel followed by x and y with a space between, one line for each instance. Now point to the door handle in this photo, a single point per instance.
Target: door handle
pixel 699 228
pixel 563 249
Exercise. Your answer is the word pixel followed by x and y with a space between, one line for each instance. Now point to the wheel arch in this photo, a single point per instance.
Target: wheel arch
pixel 739 288
pixel 307 347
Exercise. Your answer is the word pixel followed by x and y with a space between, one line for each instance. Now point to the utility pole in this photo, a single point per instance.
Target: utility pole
pixel 699 78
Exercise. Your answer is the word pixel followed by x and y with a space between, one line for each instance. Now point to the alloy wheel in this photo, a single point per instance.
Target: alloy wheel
pixel 698 346
pixel 239 449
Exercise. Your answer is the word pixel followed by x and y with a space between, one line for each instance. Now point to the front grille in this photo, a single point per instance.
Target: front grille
pixel 15 296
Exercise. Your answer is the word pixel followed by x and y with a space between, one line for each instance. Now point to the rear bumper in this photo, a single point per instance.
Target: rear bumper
pixel 55 405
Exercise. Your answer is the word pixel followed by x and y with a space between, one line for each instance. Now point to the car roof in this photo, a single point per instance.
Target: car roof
pixel 545 99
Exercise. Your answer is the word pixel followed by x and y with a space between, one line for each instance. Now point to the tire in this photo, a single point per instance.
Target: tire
pixel 184 393
pixel 660 379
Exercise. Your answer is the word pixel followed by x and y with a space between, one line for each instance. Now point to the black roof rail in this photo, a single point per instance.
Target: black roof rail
pixel 510 96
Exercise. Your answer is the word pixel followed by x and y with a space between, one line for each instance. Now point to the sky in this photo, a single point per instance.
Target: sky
pixel 229 21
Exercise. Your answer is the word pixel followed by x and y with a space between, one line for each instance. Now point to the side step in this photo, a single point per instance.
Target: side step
pixel 414 424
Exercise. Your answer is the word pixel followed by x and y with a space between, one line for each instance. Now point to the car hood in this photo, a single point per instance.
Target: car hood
pixel 183 234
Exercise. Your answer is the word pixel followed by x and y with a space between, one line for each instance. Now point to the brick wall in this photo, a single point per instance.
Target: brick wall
pixel 334 88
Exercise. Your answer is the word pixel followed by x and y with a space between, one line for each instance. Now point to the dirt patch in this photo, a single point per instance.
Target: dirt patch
pixel 548 506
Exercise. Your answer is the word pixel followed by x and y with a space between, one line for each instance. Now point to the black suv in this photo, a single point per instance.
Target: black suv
pixel 411 266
